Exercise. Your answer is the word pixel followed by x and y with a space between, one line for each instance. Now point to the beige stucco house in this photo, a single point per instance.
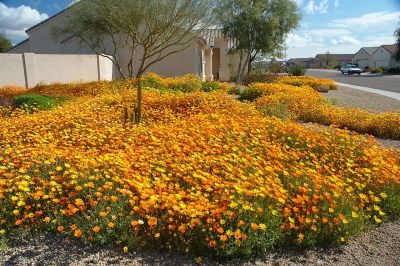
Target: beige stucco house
pixel 384 56
pixel 207 56
pixel 363 58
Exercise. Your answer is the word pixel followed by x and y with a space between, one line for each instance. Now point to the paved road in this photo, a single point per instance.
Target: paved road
pixel 382 82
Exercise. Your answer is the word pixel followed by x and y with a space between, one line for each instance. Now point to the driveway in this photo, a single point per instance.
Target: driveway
pixel 382 82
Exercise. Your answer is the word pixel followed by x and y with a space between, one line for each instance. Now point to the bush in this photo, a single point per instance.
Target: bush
pixel 258 77
pixel 338 67
pixel 394 70
pixel 153 81
pixel 297 70
pixel 208 86
pixel 36 101
pixel 377 70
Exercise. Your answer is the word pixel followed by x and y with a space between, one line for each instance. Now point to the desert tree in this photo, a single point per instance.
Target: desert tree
pixel 5 44
pixel 150 30
pixel 258 27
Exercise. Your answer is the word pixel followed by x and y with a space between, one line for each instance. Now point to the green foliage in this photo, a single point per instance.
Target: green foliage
pixel 37 102
pixel 394 70
pixel 3 243
pixel 259 27
pixel 250 94
pixel 209 86
pixel 5 44
pixel 377 70
pixel 258 77
pixel 234 91
pixel 297 70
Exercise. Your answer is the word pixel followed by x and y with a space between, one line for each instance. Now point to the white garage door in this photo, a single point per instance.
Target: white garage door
pixel 381 63
pixel 362 63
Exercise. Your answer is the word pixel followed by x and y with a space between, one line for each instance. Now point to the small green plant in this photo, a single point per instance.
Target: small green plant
pixel 209 86
pixel 37 101
pixel 377 70
pixel 297 70
pixel 3 243
pixel 250 94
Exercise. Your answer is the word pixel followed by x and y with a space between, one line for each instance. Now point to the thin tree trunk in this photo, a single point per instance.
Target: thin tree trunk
pixel 139 102
pixel 245 64
pixel 238 76
pixel 249 66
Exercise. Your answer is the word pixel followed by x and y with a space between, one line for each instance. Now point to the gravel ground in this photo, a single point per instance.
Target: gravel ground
pixel 378 246
pixel 355 98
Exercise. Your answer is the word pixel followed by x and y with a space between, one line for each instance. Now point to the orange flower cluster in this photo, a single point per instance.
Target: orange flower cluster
pixel 7 92
pixel 204 173
pixel 307 81
pixel 307 105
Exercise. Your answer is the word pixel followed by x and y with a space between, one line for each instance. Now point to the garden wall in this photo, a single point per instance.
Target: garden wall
pixel 29 69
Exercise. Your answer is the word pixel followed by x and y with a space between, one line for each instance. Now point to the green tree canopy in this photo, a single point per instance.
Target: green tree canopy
pixel 5 44
pixel 257 26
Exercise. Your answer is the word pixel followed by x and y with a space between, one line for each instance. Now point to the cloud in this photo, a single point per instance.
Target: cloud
pixel 312 7
pixel 336 3
pixel 368 20
pixel 345 40
pixel 15 20
pixel 327 32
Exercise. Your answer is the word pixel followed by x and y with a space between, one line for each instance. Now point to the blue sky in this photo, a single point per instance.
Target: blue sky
pixel 337 26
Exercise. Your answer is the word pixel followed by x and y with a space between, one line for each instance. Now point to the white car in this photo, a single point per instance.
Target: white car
pixel 350 69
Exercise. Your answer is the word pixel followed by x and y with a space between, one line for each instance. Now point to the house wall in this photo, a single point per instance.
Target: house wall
pixel 29 69
pixel 42 40
pixel 23 48
pixel 363 59
pixel 381 58
pixel 394 63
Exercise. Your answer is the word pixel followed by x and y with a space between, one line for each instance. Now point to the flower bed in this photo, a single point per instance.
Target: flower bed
pixel 204 174
pixel 307 105
pixel 307 81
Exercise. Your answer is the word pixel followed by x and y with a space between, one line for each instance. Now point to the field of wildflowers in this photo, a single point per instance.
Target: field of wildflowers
pixel 307 105
pixel 307 81
pixel 204 173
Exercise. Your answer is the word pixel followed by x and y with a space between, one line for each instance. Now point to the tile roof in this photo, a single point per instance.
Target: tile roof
pixel 391 48
pixel 209 35
pixel 339 57
pixel 370 50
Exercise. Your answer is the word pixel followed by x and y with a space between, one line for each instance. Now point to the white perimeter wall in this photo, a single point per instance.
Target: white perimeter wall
pixel 29 69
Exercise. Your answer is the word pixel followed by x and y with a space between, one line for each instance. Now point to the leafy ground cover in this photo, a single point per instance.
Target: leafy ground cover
pixel 204 173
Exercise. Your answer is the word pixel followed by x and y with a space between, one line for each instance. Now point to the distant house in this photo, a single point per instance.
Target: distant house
pixel 303 62
pixel 207 56
pixel 384 56
pixel 363 58
pixel 319 61
pixel 339 59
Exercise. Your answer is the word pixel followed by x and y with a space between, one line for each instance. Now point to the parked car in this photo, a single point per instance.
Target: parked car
pixel 350 69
